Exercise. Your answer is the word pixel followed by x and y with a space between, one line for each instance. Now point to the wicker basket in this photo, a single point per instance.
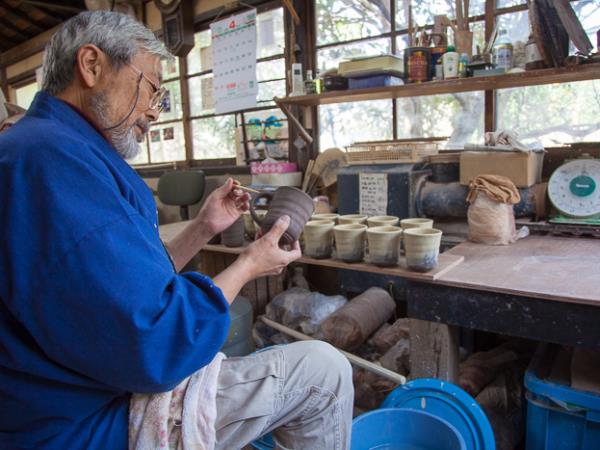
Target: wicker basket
pixel 390 152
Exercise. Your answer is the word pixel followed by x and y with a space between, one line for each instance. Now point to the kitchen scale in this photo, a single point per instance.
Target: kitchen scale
pixel 574 190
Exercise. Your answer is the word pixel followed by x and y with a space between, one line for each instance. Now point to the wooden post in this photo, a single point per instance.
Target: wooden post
pixel 433 350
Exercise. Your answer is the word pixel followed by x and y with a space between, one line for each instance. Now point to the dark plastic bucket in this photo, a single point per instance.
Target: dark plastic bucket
pixel 404 429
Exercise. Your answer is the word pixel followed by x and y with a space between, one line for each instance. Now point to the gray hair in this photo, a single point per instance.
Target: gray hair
pixel 118 35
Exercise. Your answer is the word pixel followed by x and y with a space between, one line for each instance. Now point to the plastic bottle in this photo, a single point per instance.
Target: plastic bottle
pixel 297 81
pixel 309 84
pixel 318 82
pixel 450 61
pixel 503 52
pixel 463 61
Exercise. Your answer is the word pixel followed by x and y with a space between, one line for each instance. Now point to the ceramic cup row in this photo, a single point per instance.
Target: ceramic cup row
pixel 421 241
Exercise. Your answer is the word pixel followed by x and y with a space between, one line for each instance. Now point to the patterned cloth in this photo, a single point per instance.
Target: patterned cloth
pixel 181 419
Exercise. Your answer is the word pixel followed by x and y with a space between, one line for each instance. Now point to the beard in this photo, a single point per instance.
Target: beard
pixel 123 138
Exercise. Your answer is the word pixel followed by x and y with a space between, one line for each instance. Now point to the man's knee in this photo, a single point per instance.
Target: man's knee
pixel 327 367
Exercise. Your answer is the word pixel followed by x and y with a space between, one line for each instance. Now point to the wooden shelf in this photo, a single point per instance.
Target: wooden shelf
pixel 445 263
pixel 512 80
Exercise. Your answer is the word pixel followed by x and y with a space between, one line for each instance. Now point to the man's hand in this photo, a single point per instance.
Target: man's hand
pixel 222 207
pixel 265 257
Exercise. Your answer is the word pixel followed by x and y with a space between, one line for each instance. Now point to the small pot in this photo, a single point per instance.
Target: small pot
pixel 234 235
pixel 384 245
pixel 288 201
pixel 416 222
pixel 422 247
pixel 350 241
pixel 352 218
pixel 325 216
pixel 318 238
pixel 381 221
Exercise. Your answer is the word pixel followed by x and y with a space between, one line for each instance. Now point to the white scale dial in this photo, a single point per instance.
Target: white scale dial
pixel 574 188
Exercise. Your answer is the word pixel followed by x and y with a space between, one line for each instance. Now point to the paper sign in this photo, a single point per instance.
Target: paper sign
pixel 234 62
pixel 206 58
pixel 373 190
pixel 206 89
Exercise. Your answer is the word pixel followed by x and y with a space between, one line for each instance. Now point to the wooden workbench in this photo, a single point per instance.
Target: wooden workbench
pixel 541 287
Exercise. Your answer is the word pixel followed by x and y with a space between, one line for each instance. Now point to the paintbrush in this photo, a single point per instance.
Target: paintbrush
pixel 238 185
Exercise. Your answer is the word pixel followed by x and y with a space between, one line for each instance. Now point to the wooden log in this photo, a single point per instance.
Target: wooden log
pixel 433 350
pixel 352 324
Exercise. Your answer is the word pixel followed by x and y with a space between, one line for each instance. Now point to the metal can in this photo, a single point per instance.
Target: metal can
pixel 416 64
pixel 503 56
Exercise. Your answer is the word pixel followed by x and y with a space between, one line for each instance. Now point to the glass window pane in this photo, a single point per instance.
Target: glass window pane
pixel 268 90
pixel 270 70
pixel 552 114
pixel 424 12
pixel 172 108
pixel 201 95
pixel 170 68
pixel 329 58
pixel 24 94
pixel 339 20
pixel 200 57
pixel 142 156
pixel 516 25
pixel 507 3
pixel 167 143
pixel 270 33
pixel 214 137
pixel 345 123
pixel 588 12
pixel 459 117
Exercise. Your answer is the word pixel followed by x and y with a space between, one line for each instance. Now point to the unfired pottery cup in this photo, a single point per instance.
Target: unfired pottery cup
pixel 234 235
pixel 350 241
pixel 325 216
pixel 352 218
pixel 289 201
pixel 416 222
pixel 381 221
pixel 421 248
pixel 384 245
pixel 318 238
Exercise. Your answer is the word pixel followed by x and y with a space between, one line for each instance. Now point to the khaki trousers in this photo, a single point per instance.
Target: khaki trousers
pixel 302 392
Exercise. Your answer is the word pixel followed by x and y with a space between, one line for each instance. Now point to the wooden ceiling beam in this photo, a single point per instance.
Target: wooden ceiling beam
pixel 18 17
pixel 26 49
pixel 54 6
pixel 35 13
pixel 9 30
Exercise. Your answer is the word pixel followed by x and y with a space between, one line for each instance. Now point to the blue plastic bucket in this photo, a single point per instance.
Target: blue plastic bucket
pixel 404 429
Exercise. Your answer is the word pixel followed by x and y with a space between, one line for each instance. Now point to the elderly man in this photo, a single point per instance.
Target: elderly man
pixel 92 307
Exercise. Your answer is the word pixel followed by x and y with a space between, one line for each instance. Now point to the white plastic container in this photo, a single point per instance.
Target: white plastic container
pixel 450 61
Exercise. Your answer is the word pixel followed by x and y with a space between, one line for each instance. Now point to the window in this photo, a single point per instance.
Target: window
pixel 165 141
pixel 348 29
pixel 552 114
pixel 23 95
pixel 221 136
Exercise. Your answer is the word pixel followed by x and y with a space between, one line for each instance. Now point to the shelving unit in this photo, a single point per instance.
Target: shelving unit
pixel 510 80
pixel 446 263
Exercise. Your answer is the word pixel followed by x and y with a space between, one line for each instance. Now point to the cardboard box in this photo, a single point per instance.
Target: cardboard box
pixel 522 168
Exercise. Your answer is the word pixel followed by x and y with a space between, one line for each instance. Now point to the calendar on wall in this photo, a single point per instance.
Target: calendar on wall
pixel 234 62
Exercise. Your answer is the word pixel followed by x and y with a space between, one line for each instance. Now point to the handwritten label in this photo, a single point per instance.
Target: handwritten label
pixel 373 191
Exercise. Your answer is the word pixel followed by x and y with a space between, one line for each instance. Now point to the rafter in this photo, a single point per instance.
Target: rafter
pixel 11 30
pixel 18 16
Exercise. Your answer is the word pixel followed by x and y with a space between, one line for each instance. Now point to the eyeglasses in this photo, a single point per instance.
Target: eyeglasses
pixel 158 93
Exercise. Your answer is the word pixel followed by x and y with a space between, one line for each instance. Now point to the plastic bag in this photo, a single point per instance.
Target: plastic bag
pixel 303 310
pixel 492 222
